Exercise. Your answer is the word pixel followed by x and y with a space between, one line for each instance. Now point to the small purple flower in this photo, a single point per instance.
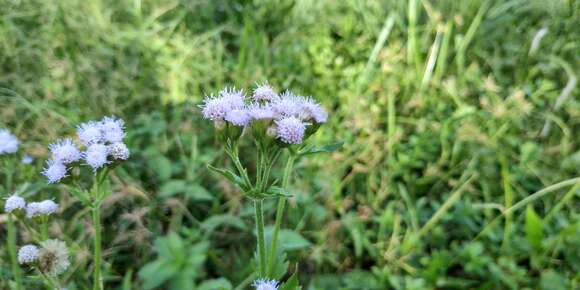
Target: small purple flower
pixel 8 142
pixel 90 132
pixel 96 155
pixel 65 151
pixel 287 105
pixel 290 130
pixel 47 207
pixel 54 171
pixel 264 92
pixel 235 99
pixel 264 284
pixel 238 117
pixel 27 254
pixel 27 159
pixel 313 111
pixel 260 112
pixel 112 129
pixel 14 202
pixel 119 151
pixel 216 108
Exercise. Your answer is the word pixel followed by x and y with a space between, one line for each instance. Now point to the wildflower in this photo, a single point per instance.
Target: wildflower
pixel 65 151
pixel 238 117
pixel 264 92
pixel 311 110
pixel 8 142
pixel 90 132
pixel 264 284
pixel 53 257
pixel 215 108
pixel 112 129
pixel 290 130
pixel 96 155
pixel 32 209
pixel 287 105
pixel 234 98
pixel 54 171
pixel 260 112
pixel 14 202
pixel 119 151
pixel 47 207
pixel 27 159
pixel 27 254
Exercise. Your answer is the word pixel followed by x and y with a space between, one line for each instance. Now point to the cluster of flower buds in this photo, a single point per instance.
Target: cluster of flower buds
pixel 103 141
pixel 286 117
pixel 8 142
pixel 17 205
pixel 51 258
pixel 263 284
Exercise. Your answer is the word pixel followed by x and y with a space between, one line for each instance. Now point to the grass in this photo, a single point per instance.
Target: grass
pixel 453 123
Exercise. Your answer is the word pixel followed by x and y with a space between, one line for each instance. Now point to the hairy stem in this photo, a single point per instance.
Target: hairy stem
pixel 13 256
pixel 261 240
pixel 279 215
pixel 97 279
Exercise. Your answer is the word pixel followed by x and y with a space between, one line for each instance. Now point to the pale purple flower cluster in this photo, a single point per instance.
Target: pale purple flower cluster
pixel 264 284
pixel 103 141
pixel 290 114
pixel 8 142
pixel 32 209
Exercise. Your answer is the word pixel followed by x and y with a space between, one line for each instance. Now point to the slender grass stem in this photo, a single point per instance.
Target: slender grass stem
pixel 259 212
pixel 97 279
pixel 279 215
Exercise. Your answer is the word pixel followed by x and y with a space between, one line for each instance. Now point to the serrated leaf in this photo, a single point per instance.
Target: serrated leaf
pixel 212 223
pixel 291 283
pixel 216 284
pixel 328 148
pixel 534 229
pixel 172 187
pixel 79 195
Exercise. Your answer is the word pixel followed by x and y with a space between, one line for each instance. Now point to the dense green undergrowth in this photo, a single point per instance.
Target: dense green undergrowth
pixel 460 121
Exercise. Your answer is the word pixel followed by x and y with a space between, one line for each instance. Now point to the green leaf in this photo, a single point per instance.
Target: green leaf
pixel 534 229
pixel 291 283
pixel 328 148
pixel 80 195
pixel 275 191
pixel 212 223
pixel 551 280
pixel 162 167
pixel 232 177
pixel 288 239
pixel 216 284
pixel 172 187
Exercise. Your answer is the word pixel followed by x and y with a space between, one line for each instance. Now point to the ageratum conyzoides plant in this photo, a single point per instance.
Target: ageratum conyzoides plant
pixel 277 125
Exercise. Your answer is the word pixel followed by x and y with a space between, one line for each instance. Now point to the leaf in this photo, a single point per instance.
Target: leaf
pixel 216 284
pixel 534 229
pixel 328 148
pixel 551 280
pixel 162 167
pixel 79 195
pixel 291 283
pixel 212 223
pixel 275 191
pixel 172 187
pixel 288 239
pixel 232 177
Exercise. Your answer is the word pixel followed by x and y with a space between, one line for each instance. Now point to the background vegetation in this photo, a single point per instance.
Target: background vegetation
pixel 453 114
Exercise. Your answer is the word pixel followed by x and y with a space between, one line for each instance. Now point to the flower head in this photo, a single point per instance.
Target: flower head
pixel 290 130
pixel 264 284
pixel 53 258
pixel 54 171
pixel 112 129
pixel 90 132
pixel 216 108
pixel 33 209
pixel 8 142
pixel 27 254
pixel 27 159
pixel 238 117
pixel 260 112
pixel 65 151
pixel 234 98
pixel 264 92
pixel 119 151
pixel 47 207
pixel 14 202
pixel 96 155
pixel 312 110
pixel 287 105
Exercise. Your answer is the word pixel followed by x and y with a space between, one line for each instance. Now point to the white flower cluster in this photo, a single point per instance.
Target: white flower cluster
pixel 264 284
pixel 32 209
pixel 52 256
pixel 8 142
pixel 103 141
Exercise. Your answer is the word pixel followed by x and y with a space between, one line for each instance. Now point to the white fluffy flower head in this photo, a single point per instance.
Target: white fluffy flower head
pixel 27 254
pixel 96 155
pixel 119 151
pixel 53 257
pixel 264 284
pixel 8 142
pixel 264 92
pixel 13 203
pixel 112 129
pixel 90 132
pixel 311 110
pixel 238 117
pixel 290 130
pixel 27 159
pixel 47 207
pixel 65 151
pixel 54 171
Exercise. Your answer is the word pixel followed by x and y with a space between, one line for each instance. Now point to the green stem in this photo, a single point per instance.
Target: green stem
pixel 279 215
pixel 13 255
pixel 261 240
pixel 97 279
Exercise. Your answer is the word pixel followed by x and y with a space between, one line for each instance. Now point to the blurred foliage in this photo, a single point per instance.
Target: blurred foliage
pixel 451 113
